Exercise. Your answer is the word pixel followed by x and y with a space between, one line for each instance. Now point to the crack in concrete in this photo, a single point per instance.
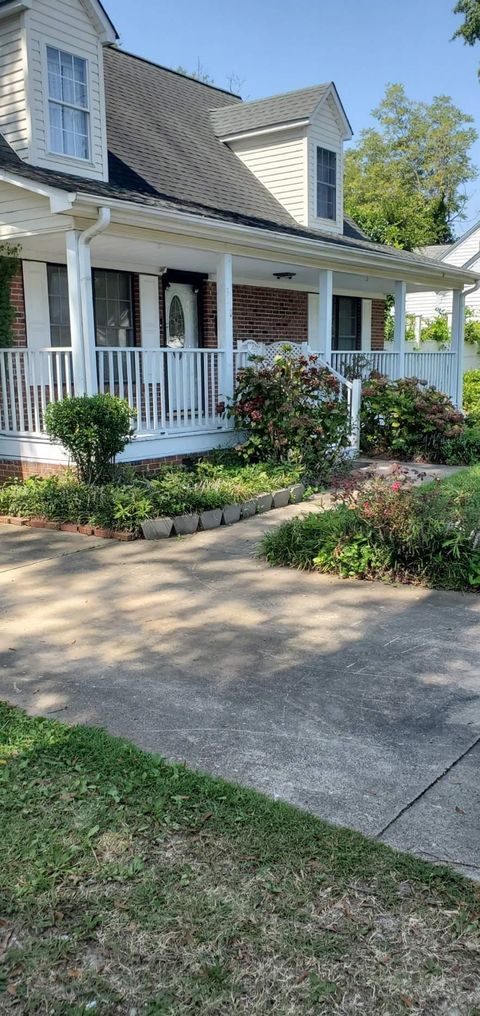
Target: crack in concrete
pixel 426 789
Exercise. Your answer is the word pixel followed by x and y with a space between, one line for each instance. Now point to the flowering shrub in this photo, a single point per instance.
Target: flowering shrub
pixel 408 420
pixel 291 412
pixel 391 528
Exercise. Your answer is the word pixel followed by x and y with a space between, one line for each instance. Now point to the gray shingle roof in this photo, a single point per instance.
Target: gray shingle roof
pixel 278 109
pixel 436 250
pixel 163 152
pixel 158 124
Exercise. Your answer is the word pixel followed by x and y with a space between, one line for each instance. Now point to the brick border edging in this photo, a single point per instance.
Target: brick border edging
pixel 296 492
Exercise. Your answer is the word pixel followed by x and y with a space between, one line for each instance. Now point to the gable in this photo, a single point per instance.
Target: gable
pixel 464 248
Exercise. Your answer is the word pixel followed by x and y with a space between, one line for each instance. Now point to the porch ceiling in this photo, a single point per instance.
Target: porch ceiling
pixel 132 254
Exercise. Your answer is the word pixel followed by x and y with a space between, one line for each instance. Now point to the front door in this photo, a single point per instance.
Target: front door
pixel 182 336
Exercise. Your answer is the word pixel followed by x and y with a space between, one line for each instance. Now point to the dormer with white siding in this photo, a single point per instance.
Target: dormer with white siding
pixel 52 98
pixel 293 143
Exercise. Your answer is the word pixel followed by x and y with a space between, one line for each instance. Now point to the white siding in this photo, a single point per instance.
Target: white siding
pixel 67 27
pixel 278 160
pixel 325 132
pixel 426 305
pixel 465 250
pixel 23 213
pixel 14 122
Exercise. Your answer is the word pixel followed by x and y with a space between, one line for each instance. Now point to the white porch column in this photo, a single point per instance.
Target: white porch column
pixel 458 336
pixel 399 327
pixel 75 309
pixel 89 339
pixel 325 307
pixel 225 321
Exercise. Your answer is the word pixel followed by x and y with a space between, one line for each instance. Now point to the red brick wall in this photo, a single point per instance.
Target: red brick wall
pixel 18 301
pixel 378 324
pixel 11 469
pixel 266 315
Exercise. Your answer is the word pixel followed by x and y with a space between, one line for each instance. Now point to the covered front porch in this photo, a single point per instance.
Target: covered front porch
pixel 166 321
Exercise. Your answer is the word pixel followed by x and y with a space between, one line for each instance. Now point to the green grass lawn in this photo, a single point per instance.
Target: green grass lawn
pixel 131 886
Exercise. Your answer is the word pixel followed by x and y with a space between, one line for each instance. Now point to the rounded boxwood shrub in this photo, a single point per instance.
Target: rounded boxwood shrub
pixel 93 429
pixel 471 393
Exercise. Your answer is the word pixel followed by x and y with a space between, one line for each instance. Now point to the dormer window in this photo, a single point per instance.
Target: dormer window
pixel 326 184
pixel 68 104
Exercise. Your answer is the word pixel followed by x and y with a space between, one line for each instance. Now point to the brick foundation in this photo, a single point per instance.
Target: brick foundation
pixel 21 469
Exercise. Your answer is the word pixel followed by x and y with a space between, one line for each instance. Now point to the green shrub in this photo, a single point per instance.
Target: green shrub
pixel 407 420
pixel 93 429
pixel 393 530
pixel 437 330
pixel 472 328
pixel 471 393
pixel 291 412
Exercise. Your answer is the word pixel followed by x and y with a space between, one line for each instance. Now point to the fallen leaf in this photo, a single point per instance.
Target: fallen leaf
pixel 459 810
pixel 11 989
pixel 74 972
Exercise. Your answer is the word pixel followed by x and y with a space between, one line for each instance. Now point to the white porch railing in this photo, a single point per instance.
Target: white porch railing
pixel 438 369
pixel 382 360
pixel 170 390
pixel 29 380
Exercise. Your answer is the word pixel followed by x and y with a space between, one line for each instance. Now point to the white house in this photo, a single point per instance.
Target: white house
pixel 464 253
pixel 165 228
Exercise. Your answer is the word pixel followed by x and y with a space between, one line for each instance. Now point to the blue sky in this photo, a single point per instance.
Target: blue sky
pixel 278 45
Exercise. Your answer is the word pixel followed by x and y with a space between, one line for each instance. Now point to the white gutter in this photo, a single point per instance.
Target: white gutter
pixel 340 258
pixel 86 295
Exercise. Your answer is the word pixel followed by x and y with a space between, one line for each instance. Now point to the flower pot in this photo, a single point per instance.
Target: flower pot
pixel 231 514
pixel 157 529
pixel 185 525
pixel 248 509
pixel 264 502
pixel 281 497
pixel 296 493
pixel 211 519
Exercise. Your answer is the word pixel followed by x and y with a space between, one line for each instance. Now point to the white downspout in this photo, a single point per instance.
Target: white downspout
pixel 86 295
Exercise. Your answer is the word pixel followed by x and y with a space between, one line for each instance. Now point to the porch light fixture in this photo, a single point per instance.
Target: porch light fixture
pixel 284 275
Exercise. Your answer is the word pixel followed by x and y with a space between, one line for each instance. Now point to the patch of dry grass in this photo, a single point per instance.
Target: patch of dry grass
pixel 130 886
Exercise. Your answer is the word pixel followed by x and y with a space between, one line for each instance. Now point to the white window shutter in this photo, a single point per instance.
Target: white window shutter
pixel 149 311
pixel 37 313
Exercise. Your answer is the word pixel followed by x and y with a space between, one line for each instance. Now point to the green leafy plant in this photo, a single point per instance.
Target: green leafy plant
pixel 437 330
pixel 407 419
pixel 125 505
pixel 472 328
pixel 390 528
pixel 93 429
pixel 9 266
pixel 471 393
pixel 291 411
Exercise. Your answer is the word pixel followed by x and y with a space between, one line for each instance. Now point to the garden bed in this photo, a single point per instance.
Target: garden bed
pixel 387 527
pixel 175 502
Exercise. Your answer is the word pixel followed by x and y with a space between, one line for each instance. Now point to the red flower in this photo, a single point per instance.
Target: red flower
pixel 395 486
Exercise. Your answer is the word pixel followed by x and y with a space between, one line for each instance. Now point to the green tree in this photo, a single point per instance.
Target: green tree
pixel 469 30
pixel 405 179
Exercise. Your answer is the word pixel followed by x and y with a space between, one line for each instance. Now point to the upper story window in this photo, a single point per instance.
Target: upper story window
pixel 68 103
pixel 326 184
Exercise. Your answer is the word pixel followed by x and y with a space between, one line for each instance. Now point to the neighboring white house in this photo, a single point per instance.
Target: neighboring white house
pixel 464 253
pixel 165 226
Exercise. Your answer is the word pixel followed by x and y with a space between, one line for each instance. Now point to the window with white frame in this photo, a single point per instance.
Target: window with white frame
pixel 326 184
pixel 68 103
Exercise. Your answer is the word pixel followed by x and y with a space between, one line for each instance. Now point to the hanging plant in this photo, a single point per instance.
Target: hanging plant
pixel 9 264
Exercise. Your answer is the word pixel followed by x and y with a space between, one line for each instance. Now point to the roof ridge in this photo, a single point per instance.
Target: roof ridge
pixel 281 95
pixel 171 70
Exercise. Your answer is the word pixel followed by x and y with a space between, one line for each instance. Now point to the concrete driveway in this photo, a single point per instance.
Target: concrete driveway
pixel 358 701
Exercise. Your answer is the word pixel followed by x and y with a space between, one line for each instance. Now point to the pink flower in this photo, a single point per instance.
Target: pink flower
pixel 395 486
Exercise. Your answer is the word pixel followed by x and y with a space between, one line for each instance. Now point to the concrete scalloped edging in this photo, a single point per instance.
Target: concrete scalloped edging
pixel 181 525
